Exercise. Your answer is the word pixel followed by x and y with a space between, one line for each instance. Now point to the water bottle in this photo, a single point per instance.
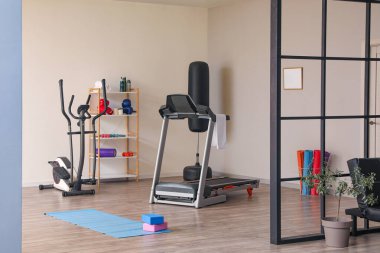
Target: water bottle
pixel 121 85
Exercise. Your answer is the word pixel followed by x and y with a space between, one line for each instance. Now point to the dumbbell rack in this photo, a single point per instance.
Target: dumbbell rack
pixel 130 172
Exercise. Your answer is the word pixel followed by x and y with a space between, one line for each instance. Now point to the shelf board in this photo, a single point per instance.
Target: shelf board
pixel 117 138
pixel 124 115
pixel 118 176
pixel 133 91
pixel 116 157
pixel 111 116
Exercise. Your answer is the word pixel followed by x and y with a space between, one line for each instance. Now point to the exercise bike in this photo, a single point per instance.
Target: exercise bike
pixel 63 170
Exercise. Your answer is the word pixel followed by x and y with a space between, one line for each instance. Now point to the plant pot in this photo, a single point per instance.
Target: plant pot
pixel 337 232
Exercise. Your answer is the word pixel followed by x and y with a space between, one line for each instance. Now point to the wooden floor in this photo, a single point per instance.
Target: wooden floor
pixel 239 225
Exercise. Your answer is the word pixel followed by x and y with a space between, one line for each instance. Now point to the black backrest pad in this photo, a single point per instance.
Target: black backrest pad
pixel 367 166
pixel 198 89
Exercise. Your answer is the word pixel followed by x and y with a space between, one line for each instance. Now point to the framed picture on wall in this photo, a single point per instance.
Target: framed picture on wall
pixel 293 78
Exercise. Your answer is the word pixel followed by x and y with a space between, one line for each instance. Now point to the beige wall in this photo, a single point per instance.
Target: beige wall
pixel 83 41
pixel 239 62
pixel 86 40
pixel 239 49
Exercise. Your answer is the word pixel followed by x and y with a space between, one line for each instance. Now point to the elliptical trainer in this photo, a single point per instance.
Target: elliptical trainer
pixel 63 170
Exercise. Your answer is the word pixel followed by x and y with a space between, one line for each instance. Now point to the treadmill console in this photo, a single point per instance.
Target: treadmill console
pixel 183 107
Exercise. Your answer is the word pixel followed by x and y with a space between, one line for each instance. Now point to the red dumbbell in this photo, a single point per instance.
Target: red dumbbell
pixel 128 154
pixel 109 111
pixel 101 102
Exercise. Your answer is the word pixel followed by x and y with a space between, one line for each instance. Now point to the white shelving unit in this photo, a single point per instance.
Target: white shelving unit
pixel 130 170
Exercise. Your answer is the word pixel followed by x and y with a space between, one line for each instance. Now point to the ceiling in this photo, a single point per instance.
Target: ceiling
pixel 198 3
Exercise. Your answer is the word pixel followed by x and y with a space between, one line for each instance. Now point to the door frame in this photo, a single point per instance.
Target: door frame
pixel 374 43
pixel 374 90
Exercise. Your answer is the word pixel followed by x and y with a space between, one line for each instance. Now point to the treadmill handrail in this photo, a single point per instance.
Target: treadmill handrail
pixel 199 112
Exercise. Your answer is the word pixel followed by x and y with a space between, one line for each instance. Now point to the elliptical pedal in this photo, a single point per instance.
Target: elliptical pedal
pixel 61 173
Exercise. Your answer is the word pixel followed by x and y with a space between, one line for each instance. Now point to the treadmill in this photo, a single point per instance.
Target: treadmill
pixel 203 192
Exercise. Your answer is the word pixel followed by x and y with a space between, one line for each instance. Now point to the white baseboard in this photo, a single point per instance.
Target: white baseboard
pixel 35 183
pixel 262 180
pixel 175 174
pixel 142 176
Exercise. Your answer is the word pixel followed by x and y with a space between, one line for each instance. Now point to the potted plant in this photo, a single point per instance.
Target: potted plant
pixel 337 229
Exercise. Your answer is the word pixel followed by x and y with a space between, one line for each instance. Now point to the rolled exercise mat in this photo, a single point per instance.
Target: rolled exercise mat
pixel 308 159
pixel 316 170
pixel 107 152
pixel 300 154
pixel 327 158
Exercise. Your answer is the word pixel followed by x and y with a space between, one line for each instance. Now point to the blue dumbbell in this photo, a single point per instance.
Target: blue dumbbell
pixel 127 110
pixel 126 103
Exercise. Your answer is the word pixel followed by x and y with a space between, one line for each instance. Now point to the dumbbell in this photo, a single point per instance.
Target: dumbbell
pixel 101 107
pixel 128 110
pixel 101 102
pixel 109 111
pixel 128 154
pixel 127 106
pixel 126 103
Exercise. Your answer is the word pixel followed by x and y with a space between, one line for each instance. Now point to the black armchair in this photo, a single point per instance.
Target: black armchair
pixel 368 213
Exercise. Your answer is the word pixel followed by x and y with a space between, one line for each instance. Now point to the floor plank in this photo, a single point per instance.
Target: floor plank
pixel 239 225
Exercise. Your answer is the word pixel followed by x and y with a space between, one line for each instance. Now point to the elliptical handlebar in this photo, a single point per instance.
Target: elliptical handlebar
pixel 69 127
pixel 63 102
pixel 88 116
pixel 88 99
pixel 105 102
pixel 70 106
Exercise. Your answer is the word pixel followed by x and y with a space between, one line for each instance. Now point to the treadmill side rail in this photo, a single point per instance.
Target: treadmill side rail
pixel 206 157
pixel 160 154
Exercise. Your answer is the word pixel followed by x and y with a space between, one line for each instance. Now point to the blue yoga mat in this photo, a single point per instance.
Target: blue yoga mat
pixel 108 224
pixel 307 161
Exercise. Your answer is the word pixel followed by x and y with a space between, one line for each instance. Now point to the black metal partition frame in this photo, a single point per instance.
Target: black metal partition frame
pixel 275 110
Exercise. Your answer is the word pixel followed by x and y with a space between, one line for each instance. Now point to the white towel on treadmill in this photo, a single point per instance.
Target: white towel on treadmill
pixel 219 137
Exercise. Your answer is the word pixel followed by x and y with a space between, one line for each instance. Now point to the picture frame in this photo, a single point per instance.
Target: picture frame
pixel 293 78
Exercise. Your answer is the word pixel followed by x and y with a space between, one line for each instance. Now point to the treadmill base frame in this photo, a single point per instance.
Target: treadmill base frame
pixel 199 203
